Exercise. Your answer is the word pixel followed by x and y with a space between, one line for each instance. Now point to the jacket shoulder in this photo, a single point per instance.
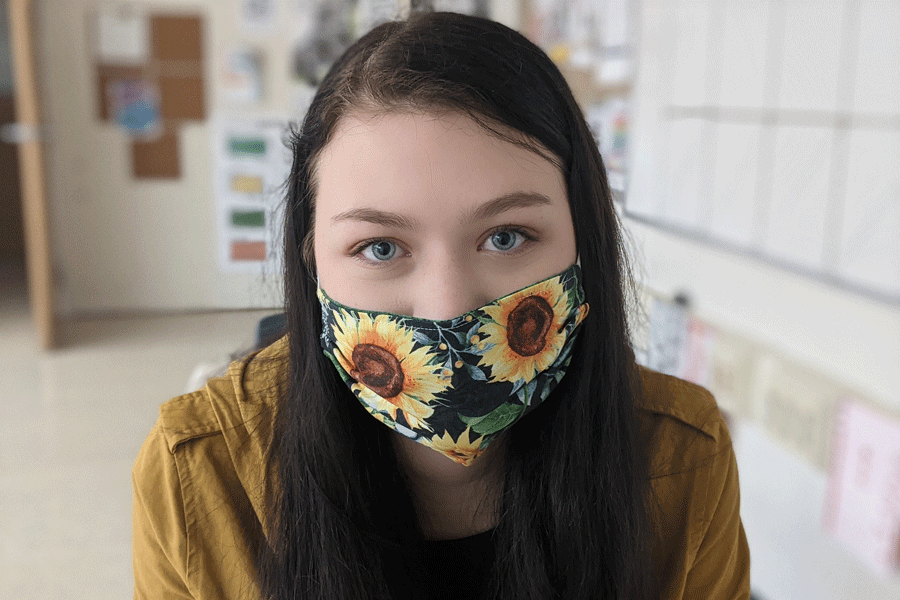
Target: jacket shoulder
pixel 248 388
pixel 680 422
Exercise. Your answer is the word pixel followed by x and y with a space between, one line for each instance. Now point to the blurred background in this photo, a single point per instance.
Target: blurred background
pixel 752 147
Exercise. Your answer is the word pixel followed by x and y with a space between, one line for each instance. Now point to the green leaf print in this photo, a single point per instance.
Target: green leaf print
pixel 476 373
pixel 485 319
pixel 495 420
pixel 422 338
pixel 573 299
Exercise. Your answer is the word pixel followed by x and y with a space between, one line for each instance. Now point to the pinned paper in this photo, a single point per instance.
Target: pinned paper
pixel 667 336
pixel 157 158
pixel 614 69
pixel 371 13
pixel 609 124
pixel 248 251
pixel 242 76
pixel 252 165
pixel 314 49
pixel 732 362
pixel 256 15
pixel 243 145
pixel 248 218
pixel 465 7
pixel 615 22
pixel 247 184
pixel 798 408
pixel 134 105
pixel 148 80
pixel 122 38
pixel 696 363
pixel 862 505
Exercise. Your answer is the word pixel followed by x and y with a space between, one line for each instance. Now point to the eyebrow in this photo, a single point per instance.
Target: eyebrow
pixel 506 202
pixel 487 210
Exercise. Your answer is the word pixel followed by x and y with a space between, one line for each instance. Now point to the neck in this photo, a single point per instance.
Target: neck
pixel 452 501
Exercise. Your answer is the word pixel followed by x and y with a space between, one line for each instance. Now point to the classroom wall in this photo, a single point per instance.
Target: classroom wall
pixel 842 337
pixel 125 245
pixel 121 244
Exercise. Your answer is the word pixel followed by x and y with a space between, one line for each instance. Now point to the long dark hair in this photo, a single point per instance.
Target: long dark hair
pixel 573 519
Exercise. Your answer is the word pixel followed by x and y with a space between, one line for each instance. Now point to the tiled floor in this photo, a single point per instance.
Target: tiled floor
pixel 71 424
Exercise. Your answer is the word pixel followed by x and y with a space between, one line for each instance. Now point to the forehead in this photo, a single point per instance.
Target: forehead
pixel 426 165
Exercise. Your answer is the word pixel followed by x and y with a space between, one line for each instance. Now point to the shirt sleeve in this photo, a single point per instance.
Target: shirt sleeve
pixel 721 567
pixel 160 535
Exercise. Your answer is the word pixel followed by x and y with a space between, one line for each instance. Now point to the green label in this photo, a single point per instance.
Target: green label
pixel 251 146
pixel 254 218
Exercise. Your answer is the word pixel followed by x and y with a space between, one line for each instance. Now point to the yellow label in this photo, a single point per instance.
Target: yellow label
pixel 247 184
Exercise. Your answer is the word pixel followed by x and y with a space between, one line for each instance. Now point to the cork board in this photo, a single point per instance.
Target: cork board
pixel 156 158
pixel 176 38
pixel 174 66
pixel 106 74
pixel 182 99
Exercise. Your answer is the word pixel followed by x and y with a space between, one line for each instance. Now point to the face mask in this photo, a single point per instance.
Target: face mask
pixel 456 385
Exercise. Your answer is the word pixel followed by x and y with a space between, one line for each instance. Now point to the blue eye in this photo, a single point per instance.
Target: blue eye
pixel 505 240
pixel 380 251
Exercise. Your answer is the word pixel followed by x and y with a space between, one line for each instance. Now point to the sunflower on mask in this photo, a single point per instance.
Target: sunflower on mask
pixel 525 332
pixel 477 373
pixel 391 376
pixel 463 451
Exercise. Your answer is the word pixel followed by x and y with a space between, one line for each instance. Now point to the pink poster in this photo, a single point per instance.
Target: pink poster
pixel 862 504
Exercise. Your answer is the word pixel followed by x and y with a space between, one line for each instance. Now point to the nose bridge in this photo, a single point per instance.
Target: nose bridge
pixel 447 288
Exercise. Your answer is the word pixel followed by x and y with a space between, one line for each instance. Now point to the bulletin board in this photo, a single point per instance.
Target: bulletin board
pixel 773 130
pixel 149 79
pixel 252 163
pixel 278 54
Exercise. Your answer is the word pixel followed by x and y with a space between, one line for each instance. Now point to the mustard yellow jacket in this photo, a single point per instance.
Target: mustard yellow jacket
pixel 198 489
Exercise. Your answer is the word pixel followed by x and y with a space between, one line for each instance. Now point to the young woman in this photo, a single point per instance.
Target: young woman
pixel 455 411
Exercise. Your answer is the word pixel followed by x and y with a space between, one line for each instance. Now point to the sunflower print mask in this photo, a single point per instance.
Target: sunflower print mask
pixel 455 385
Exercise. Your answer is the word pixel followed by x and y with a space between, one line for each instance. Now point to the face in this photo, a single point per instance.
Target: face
pixel 430 216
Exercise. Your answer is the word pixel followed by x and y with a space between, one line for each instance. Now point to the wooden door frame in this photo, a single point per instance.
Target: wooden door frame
pixel 35 209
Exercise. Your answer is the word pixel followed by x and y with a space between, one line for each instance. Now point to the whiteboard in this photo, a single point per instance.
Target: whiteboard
pixel 772 129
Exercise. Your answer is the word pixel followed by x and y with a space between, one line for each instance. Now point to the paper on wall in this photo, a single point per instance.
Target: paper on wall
pixel 321 39
pixel 667 336
pixel 609 123
pixel 134 106
pixel 732 363
pixel 862 503
pixel 696 364
pixel 252 165
pixel 798 408
pixel 242 76
pixel 122 37
pixel 257 15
